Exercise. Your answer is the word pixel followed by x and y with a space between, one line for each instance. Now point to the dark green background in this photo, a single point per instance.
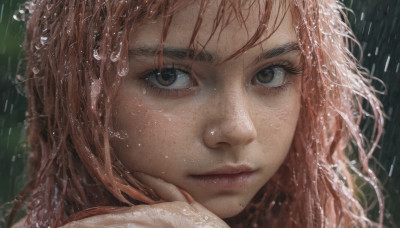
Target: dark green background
pixel 376 23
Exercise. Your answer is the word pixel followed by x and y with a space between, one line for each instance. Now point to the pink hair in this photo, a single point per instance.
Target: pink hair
pixel 74 171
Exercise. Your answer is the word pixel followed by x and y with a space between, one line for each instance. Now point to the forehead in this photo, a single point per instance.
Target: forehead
pixel 236 25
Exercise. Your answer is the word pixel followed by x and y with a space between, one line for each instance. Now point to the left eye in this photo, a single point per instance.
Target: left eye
pixel 169 78
pixel 271 76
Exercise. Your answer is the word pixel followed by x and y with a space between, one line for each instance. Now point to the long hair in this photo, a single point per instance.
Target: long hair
pixel 77 54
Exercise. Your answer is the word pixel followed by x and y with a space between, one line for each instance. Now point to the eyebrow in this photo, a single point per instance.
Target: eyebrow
pixel 205 56
pixel 173 53
pixel 277 51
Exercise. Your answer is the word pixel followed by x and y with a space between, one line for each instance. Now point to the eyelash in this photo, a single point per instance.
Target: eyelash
pixel 290 70
pixel 168 92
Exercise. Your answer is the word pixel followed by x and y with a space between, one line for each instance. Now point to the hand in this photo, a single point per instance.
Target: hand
pixel 182 212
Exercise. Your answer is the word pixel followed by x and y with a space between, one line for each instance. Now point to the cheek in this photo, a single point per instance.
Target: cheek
pixel 156 138
pixel 276 126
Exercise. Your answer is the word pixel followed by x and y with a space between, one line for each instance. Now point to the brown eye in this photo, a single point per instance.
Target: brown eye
pixel 166 77
pixel 271 76
pixel 169 78
pixel 265 75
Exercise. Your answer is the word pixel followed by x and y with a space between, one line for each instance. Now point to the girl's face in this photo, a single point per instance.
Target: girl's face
pixel 218 131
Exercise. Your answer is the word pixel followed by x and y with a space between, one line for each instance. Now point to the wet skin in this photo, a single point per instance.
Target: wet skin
pixel 218 131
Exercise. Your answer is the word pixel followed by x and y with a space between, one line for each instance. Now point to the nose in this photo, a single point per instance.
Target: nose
pixel 230 123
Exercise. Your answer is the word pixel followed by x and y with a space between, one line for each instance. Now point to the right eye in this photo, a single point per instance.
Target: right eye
pixel 169 79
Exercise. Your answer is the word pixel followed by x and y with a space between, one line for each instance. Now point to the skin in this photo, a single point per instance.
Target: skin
pixel 223 117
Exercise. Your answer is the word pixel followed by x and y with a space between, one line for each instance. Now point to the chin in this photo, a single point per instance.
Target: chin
pixel 226 207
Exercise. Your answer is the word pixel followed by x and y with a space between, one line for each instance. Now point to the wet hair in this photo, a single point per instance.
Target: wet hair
pixel 77 54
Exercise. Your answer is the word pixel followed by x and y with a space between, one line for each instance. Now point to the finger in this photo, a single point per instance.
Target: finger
pixel 165 190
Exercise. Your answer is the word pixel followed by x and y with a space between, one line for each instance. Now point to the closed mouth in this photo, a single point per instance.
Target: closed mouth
pixel 225 178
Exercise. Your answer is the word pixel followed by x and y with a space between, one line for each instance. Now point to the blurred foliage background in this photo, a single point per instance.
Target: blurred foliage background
pixel 376 24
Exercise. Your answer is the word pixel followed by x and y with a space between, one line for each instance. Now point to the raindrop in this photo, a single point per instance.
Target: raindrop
pixel 35 70
pixel 115 55
pixel 96 54
pixel 1 12
pixel 122 68
pixel 387 63
pixel 390 111
pixel 123 71
pixel 397 67
pixel 44 40
pixel 391 166
pixel 362 16
pixel 15 17
pixel 144 91
pixel 369 28
pixel 5 106
pixel 373 69
pixel 376 50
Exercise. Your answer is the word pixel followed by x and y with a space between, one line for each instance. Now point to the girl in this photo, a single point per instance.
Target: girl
pixel 195 113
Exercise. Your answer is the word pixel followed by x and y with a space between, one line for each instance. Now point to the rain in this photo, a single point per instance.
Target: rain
pixel 376 24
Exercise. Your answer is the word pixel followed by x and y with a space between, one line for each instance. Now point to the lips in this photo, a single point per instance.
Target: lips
pixel 225 178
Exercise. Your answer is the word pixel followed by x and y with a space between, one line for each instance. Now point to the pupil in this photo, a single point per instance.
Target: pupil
pixel 265 76
pixel 166 77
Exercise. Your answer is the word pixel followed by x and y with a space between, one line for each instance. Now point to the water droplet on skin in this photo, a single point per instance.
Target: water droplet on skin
pixel 139 145
pixel 166 156
pixel 144 91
